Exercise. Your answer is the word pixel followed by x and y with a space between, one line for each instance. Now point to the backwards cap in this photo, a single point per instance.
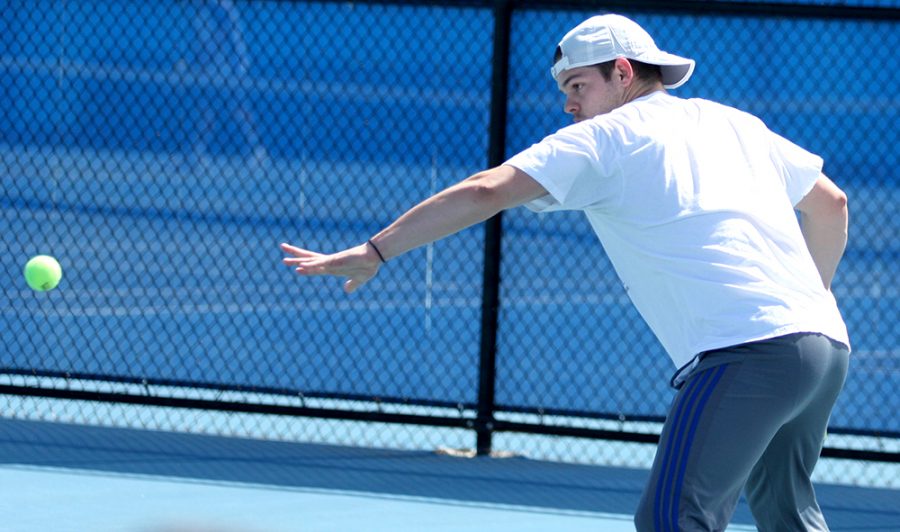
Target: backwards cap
pixel 605 37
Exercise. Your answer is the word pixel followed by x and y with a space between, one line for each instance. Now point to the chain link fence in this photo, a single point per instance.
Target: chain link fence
pixel 162 150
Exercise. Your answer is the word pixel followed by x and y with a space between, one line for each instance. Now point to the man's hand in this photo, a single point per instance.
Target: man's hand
pixel 358 264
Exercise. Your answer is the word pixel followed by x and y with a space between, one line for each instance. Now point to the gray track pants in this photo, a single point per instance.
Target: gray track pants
pixel 755 415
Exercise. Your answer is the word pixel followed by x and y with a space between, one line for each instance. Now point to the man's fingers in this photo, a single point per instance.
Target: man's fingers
pixel 287 248
pixel 350 263
pixel 298 261
pixel 308 267
pixel 304 261
pixel 299 252
pixel 318 264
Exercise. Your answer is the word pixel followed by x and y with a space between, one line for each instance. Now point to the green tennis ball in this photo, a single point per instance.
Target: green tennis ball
pixel 43 273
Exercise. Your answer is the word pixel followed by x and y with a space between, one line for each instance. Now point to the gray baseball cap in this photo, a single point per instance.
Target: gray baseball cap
pixel 605 37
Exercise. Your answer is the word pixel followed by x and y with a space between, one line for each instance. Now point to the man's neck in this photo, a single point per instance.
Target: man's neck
pixel 639 90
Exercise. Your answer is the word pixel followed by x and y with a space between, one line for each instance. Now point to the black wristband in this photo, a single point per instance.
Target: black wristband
pixel 380 256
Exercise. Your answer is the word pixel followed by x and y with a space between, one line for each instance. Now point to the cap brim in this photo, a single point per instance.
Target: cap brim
pixel 675 76
pixel 676 70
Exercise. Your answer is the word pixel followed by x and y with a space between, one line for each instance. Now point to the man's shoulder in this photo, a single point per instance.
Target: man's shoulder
pixel 721 107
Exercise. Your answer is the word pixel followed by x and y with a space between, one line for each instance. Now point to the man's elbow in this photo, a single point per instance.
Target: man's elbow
pixel 825 199
pixel 504 187
pixel 840 210
pixel 839 201
pixel 492 190
pixel 484 193
pixel 844 202
pixel 834 211
pixel 837 208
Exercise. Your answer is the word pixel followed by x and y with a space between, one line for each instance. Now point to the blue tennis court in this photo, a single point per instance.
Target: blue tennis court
pixel 65 477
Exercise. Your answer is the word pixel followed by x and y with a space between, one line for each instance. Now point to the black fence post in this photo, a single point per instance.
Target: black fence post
pixel 484 423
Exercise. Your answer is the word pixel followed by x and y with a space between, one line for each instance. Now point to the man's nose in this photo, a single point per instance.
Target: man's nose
pixel 570 106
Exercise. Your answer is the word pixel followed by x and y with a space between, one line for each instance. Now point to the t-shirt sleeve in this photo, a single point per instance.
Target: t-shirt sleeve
pixel 569 165
pixel 799 168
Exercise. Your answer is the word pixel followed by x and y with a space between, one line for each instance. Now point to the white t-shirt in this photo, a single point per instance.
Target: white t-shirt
pixel 693 202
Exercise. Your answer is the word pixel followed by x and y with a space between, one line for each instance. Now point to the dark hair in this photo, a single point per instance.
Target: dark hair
pixel 642 71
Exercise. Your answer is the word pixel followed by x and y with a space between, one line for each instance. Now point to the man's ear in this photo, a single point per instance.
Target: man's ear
pixel 623 72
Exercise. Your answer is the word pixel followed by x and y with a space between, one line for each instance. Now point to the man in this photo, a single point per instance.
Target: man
pixel 694 204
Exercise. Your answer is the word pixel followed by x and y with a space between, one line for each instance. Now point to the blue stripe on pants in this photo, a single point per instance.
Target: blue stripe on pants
pixel 681 434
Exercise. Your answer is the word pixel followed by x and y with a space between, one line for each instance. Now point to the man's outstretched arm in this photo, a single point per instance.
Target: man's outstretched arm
pixel 460 206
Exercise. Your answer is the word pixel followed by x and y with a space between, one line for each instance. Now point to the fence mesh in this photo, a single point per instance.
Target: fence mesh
pixel 581 314
pixel 162 150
